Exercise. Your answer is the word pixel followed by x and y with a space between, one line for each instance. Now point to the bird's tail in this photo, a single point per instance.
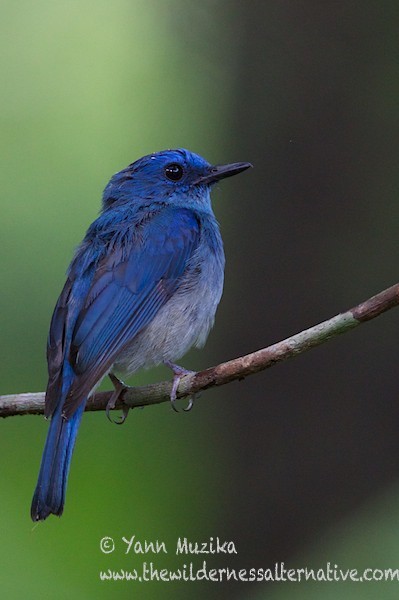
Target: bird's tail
pixel 50 490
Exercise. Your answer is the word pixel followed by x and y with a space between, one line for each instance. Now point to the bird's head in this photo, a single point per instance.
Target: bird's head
pixel 168 176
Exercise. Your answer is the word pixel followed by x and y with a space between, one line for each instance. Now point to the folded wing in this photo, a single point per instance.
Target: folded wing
pixel 129 286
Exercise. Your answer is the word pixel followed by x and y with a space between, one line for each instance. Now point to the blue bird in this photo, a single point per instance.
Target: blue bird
pixel 142 288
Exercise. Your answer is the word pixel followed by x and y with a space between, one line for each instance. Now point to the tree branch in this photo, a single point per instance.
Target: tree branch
pixel 238 368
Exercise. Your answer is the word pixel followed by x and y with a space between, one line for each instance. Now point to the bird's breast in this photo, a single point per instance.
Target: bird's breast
pixel 186 318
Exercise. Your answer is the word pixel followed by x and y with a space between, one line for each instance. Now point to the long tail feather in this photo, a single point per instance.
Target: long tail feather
pixel 50 490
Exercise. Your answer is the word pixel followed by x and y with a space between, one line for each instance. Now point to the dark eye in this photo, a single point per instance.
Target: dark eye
pixel 174 172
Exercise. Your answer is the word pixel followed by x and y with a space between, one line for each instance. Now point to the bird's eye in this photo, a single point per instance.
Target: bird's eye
pixel 174 172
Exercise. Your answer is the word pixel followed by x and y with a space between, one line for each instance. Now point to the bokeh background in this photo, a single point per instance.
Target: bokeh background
pixel 301 463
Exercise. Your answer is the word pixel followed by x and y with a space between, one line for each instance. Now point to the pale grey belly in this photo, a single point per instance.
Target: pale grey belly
pixel 184 321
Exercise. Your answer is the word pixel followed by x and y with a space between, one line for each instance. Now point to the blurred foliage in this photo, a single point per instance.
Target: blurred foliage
pixel 354 543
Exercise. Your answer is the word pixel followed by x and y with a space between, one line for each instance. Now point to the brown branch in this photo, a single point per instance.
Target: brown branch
pixel 238 368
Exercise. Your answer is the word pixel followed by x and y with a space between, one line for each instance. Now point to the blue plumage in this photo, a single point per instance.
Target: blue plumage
pixel 142 289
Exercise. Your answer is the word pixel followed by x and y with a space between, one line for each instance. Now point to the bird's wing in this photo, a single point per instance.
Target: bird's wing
pixel 129 287
pixel 56 349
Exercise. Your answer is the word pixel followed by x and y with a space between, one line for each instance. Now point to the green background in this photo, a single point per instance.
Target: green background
pixel 299 464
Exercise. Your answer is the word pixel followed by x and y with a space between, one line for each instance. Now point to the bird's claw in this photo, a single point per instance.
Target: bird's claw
pixel 190 404
pixel 119 388
pixel 178 374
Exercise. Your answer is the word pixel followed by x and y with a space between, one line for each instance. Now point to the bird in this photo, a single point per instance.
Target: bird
pixel 142 289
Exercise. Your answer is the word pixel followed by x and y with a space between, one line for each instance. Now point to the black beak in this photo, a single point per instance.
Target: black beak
pixel 221 171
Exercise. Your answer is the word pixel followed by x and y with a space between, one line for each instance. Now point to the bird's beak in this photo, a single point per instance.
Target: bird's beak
pixel 221 171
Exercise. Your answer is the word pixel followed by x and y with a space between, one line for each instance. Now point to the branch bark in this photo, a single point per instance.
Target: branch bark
pixel 238 368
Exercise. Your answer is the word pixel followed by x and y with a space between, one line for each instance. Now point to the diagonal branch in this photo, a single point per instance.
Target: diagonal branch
pixel 238 368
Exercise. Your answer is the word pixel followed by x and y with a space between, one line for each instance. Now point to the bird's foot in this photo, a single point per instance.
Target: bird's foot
pixel 178 374
pixel 119 388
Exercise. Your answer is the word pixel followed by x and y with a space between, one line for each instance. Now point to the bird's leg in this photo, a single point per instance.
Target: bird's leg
pixel 119 388
pixel 178 374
